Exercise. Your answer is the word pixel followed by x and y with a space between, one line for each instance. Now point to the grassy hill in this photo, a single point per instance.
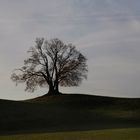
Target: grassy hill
pixel 68 113
pixel 108 134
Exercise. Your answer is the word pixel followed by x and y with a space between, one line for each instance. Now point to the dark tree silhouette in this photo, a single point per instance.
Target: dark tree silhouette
pixel 51 63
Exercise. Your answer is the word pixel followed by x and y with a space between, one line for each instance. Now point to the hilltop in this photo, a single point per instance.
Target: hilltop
pixel 68 112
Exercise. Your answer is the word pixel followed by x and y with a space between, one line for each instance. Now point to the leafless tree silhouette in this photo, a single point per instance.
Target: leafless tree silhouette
pixel 52 63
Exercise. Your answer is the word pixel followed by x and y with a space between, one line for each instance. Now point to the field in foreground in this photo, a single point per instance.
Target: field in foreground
pixel 67 113
pixel 114 134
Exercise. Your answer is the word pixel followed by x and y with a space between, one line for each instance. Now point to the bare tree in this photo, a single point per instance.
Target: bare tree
pixel 51 63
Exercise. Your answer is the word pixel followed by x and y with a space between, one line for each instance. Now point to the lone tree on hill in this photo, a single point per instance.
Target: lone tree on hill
pixel 51 63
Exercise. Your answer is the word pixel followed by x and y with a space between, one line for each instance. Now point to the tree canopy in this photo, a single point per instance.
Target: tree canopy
pixel 52 63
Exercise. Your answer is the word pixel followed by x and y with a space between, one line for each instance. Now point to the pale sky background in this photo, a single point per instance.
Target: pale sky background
pixel 107 32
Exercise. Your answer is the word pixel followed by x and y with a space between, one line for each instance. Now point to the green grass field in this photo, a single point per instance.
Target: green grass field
pixel 114 134
pixel 72 116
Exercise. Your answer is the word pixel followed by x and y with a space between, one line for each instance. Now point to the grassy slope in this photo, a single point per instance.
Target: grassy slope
pixel 68 113
pixel 114 134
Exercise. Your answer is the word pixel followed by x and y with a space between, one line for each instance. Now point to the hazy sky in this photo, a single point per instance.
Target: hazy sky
pixel 106 31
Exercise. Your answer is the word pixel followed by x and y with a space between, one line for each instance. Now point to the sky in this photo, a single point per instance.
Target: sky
pixel 107 32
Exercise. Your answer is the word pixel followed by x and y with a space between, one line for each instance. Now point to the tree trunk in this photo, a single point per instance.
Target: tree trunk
pixel 56 86
pixel 53 90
